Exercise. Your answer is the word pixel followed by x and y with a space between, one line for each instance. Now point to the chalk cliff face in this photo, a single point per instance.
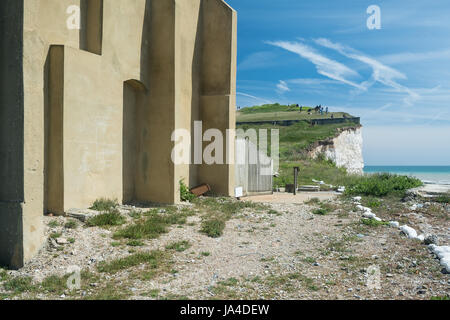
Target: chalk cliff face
pixel 345 150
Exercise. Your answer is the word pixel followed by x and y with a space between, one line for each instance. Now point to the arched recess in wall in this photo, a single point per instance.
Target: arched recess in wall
pixel 133 103
pixel 91 33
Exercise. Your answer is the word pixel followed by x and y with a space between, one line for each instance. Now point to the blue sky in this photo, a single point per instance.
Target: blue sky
pixel 322 52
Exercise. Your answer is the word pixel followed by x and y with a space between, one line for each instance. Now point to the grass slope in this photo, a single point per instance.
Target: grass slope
pixel 276 111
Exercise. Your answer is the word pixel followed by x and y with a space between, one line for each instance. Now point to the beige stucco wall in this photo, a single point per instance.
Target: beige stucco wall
pixel 168 62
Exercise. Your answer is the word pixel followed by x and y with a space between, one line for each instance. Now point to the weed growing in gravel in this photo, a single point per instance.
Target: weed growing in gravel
pixel 152 225
pixel 217 211
pixel 112 217
pixel 19 285
pixel 71 224
pixel 55 235
pixel 213 227
pixel 179 246
pixel 53 224
pixel 104 204
pixel 135 243
pixel 373 222
pixel 185 194
pixel 153 259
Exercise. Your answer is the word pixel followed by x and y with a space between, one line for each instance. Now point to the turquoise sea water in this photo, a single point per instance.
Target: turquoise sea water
pixel 428 174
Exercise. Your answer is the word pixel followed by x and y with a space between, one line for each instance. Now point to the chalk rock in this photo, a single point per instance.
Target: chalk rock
pixel 443 253
pixel 409 232
pixel 394 224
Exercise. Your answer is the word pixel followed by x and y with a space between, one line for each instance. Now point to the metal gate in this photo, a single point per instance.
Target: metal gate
pixel 254 169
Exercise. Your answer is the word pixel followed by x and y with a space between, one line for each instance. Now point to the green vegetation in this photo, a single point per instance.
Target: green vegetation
pixel 213 227
pixel 135 243
pixel 153 259
pixel 217 211
pixel 152 225
pixel 445 198
pixel 282 112
pixel 19 285
pixel 104 204
pixel 55 235
pixel 185 194
pixel 53 224
pixel 112 217
pixel 179 246
pixel 381 184
pixel 71 224
pixel 439 298
pixel 374 223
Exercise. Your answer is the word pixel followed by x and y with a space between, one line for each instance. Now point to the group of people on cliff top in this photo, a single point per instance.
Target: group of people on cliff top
pixel 317 109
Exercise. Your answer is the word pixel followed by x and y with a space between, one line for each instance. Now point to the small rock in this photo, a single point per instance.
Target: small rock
pixel 316 264
pixel 430 239
pixel 389 275
pixel 350 289
pixel 62 241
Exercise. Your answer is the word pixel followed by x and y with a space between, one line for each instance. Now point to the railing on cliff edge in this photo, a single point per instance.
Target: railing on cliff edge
pixel 354 120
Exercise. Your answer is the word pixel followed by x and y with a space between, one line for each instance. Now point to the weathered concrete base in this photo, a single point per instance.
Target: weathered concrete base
pixel 89 112
pixel 11 248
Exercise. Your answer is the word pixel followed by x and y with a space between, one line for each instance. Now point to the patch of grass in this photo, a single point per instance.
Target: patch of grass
pixel 135 214
pixel 372 202
pixel 153 259
pixel 229 282
pixel 71 240
pixel 154 293
pixel 442 198
pixel 320 212
pixel 135 243
pixel 205 254
pixel 3 275
pixel 310 260
pixel 110 292
pixel 213 227
pixel 19 285
pixel 104 204
pixel 217 211
pixel 288 281
pixel 179 246
pixel 112 217
pixel 53 224
pixel 54 284
pixel 313 201
pixel 374 223
pixel 71 224
pixel 439 298
pixel 152 226
pixel 55 235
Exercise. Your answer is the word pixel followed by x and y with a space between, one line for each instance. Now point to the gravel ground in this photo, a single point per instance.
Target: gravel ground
pixel 286 253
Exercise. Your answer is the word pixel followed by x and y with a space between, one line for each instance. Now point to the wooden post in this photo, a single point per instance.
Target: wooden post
pixel 295 179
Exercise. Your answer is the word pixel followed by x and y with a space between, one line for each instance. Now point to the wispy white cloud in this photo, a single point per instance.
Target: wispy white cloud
pixel 282 87
pixel 254 97
pixel 327 67
pixel 380 73
pixel 262 59
pixel 408 57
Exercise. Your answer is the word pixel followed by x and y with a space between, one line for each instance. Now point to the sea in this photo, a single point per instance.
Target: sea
pixel 428 174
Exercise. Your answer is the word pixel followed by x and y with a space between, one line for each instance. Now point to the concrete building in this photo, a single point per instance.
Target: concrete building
pixel 89 112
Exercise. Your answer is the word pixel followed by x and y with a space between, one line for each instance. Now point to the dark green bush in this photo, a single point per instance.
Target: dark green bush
pixel 381 184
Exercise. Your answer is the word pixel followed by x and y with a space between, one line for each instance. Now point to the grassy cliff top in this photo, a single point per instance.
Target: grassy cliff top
pixel 269 112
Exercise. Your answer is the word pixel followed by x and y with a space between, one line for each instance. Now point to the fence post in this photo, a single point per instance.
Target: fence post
pixel 295 179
